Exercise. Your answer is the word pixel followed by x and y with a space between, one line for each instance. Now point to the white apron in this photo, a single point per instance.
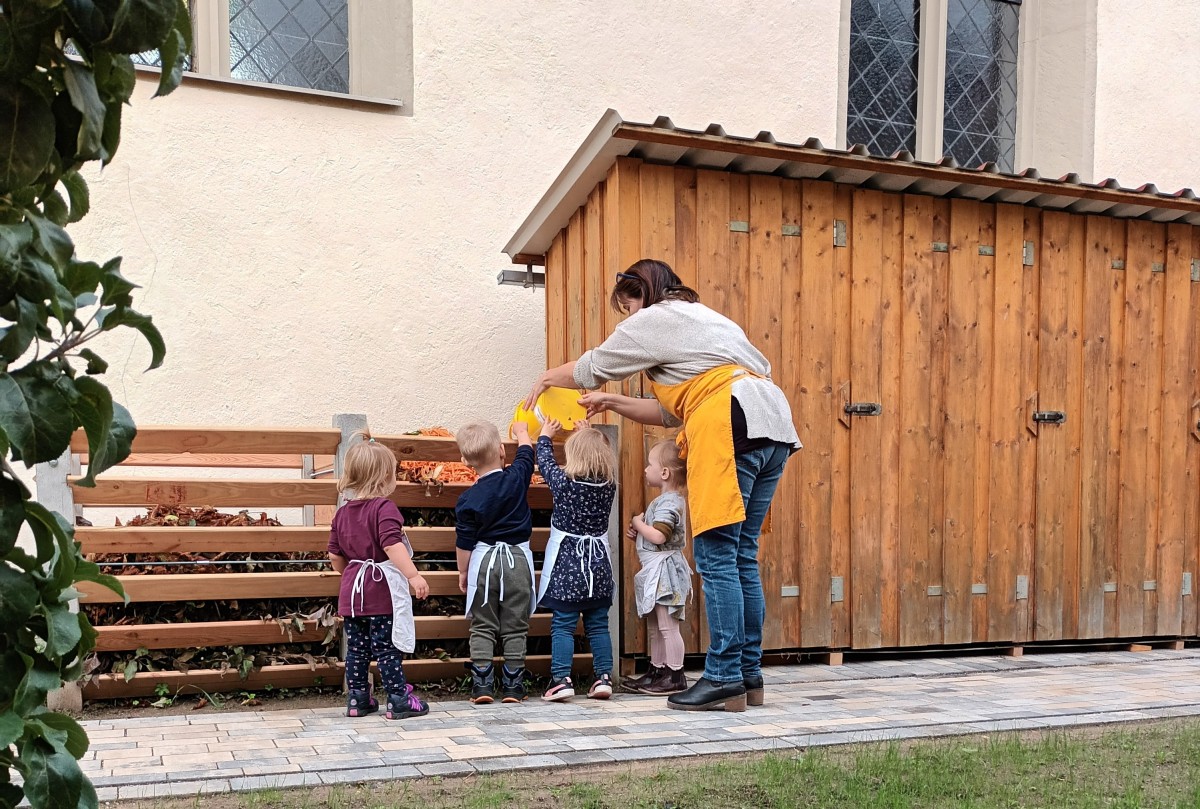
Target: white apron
pixel 404 629
pixel 648 582
pixel 552 546
pixel 499 554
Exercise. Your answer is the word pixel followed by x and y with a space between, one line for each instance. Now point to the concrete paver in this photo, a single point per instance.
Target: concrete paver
pixel 148 757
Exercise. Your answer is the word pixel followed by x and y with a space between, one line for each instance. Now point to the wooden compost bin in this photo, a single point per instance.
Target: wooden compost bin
pixel 972 307
pixel 179 452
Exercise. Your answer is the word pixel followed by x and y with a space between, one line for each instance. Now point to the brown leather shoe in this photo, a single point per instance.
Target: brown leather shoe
pixel 652 674
pixel 671 681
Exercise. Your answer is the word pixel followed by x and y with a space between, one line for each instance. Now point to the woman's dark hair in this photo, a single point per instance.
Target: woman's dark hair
pixel 651 282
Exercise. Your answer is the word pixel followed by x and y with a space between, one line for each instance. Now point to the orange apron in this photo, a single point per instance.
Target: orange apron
pixel 703 403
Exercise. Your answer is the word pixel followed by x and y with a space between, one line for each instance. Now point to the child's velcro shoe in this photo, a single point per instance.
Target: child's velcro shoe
pixel 405 704
pixel 360 703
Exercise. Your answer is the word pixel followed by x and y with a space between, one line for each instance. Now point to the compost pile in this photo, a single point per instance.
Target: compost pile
pixel 288 613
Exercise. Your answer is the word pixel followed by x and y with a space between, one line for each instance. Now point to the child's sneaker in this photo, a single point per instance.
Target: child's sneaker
pixel 559 690
pixel 512 684
pixel 360 703
pixel 405 704
pixel 483 679
pixel 602 688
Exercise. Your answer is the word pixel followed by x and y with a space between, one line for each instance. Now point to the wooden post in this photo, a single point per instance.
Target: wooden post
pixel 306 473
pixel 616 550
pixel 348 423
pixel 54 493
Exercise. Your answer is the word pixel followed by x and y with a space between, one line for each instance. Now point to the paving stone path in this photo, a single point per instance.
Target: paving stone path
pixel 806 706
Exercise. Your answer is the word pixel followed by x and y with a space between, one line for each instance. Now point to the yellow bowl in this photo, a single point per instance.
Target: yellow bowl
pixel 556 403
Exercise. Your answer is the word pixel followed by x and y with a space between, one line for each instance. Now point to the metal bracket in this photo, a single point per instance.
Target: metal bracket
pixel 978 589
pixel 1050 417
pixel 1022 588
pixel 1158 266
pixel 837 590
pixel 939 247
pixel 987 250
pixel 1027 254
pixel 790 230
pixel 1187 584
pixel 1196 269
pixel 1149 585
pixel 1118 264
pixel 933 590
pixel 839 233
pixel 1110 587
pixel 864 409
pixel 737 226
pixel 789 591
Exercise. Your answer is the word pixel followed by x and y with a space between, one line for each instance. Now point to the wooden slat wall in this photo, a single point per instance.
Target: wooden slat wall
pixel 933 511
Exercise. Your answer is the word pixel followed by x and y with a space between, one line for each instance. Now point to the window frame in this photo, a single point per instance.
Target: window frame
pixel 931 78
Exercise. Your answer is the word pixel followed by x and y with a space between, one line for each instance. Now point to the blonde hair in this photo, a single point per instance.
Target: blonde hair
pixel 369 469
pixel 477 442
pixel 669 459
pixel 589 457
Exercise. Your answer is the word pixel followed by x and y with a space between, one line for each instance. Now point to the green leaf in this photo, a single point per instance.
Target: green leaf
pixel 62 628
pixel 11 728
pixel 23 315
pixel 95 363
pixel 111 138
pixel 77 192
pixel 81 86
pixel 54 207
pixel 140 25
pixel 130 670
pixel 26 136
pixel 89 19
pixel 55 243
pixel 143 323
pixel 12 513
pixel 172 53
pixel 116 286
pixel 51 774
pixel 34 414
pixel 90 571
pixel 82 276
pixel 109 439
pixel 118 79
pixel 40 679
pixel 18 596
pixel 77 740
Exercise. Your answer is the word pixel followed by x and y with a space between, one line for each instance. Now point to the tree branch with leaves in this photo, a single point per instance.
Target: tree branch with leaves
pixel 65 77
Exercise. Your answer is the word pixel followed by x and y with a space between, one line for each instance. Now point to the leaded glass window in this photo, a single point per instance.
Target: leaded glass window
pixel 300 43
pixel 980 124
pixel 152 58
pixel 882 94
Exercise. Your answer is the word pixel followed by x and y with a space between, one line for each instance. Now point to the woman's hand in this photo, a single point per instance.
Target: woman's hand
pixel 539 387
pixel 418 585
pixel 551 428
pixel 596 402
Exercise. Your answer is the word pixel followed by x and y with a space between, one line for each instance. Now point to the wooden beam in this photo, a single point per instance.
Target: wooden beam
pixel 127 637
pixel 536 259
pixel 221 586
pixel 225 461
pixel 434 448
pixel 114 491
pixel 228 440
pixel 111 686
pixel 241 539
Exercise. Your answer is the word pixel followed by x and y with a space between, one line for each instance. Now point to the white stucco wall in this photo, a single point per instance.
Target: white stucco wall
pixel 1147 92
pixel 304 259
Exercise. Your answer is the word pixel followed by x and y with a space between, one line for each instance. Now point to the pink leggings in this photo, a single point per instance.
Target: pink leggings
pixel 666 644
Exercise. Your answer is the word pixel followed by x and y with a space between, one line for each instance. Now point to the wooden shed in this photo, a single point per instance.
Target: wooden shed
pixel 996 377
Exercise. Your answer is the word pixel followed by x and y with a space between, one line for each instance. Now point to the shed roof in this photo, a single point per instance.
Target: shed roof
pixel 663 143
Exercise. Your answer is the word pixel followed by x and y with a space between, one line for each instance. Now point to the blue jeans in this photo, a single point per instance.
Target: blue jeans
pixel 562 641
pixel 727 558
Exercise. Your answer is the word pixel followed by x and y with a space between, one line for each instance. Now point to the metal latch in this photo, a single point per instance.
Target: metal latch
pixel 1027 254
pixel 839 233
pixel 1050 417
pixel 864 409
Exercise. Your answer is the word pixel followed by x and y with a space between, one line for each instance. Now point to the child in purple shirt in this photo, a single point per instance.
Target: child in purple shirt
pixel 368 547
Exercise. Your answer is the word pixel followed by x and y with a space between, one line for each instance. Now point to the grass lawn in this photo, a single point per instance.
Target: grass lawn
pixel 1149 765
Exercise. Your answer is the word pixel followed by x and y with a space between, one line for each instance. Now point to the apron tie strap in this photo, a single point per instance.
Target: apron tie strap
pixel 359 587
pixel 491 554
pixel 589 548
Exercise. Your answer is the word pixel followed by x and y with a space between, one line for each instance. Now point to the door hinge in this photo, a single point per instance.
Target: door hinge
pixel 978 589
pixel 738 226
pixel 1022 588
pixel 1196 269
pixel 1110 587
pixel 1118 264
pixel 1158 266
pixel 789 591
pixel 987 250
pixel 837 590
pixel 1187 584
pixel 933 590
pixel 1027 254
pixel 940 247
pixel 790 230
pixel 1149 585
pixel 839 233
